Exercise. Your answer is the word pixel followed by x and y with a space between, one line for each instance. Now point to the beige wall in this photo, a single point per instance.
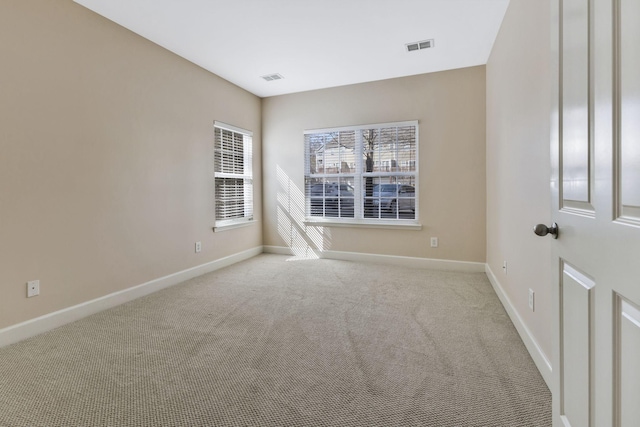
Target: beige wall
pixel 106 155
pixel 450 107
pixel 106 171
pixel 518 162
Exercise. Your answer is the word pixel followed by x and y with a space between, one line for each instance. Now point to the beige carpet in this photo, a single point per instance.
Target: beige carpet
pixel 271 342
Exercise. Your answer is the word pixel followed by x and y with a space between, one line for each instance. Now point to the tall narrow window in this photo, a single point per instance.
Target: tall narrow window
pixel 362 173
pixel 233 175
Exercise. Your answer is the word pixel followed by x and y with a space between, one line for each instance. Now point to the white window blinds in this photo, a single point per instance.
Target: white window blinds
pixel 363 172
pixel 233 175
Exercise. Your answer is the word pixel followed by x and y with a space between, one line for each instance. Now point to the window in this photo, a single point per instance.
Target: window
pixel 233 175
pixel 362 173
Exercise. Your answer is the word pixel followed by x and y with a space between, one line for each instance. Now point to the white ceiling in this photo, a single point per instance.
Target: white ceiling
pixel 313 43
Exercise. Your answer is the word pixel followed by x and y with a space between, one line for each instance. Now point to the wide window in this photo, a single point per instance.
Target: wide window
pixel 362 173
pixel 233 175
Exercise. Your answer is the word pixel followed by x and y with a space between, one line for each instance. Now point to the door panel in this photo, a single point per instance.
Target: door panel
pixel 574 202
pixel 576 317
pixel 627 409
pixel 628 100
pixel 575 139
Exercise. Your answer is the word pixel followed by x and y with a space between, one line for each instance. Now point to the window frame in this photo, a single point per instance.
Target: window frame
pixel 359 175
pixel 246 176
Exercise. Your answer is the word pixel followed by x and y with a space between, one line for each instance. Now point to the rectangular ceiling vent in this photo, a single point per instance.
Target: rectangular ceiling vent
pixel 272 77
pixel 424 44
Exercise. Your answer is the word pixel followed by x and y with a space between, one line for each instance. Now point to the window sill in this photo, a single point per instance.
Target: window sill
pixel 233 226
pixel 396 225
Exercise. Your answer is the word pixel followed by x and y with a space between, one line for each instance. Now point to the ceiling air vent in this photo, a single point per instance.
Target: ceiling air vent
pixel 424 44
pixel 272 77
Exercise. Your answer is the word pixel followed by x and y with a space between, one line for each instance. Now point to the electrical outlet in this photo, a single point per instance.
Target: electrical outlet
pixel 33 288
pixel 198 247
pixel 531 299
pixel 504 266
pixel 434 242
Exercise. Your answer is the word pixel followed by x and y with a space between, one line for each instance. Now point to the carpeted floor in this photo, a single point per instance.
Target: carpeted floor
pixel 272 342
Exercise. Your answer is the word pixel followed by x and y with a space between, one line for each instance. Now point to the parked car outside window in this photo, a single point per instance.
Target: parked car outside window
pixel 394 197
pixel 331 199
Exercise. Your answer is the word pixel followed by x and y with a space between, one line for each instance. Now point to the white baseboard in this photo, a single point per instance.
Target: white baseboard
pixel 24 330
pixel 435 264
pixel 538 356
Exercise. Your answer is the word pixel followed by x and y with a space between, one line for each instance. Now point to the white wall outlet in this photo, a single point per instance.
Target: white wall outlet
pixel 504 266
pixel 198 247
pixel 33 288
pixel 531 299
pixel 434 242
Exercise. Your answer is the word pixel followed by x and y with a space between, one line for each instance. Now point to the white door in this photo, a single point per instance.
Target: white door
pixel 596 204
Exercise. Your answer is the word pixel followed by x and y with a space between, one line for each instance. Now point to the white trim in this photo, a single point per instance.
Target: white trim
pixel 30 328
pixel 232 128
pixel 363 224
pixel 539 358
pixel 236 224
pixel 630 312
pixel 360 127
pixel 582 279
pixel 414 262
pixel 277 250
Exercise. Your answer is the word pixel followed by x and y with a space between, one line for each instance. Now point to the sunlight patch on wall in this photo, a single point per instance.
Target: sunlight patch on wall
pixel 305 242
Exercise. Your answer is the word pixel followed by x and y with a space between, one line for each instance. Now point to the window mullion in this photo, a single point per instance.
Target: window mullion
pixel 358 197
